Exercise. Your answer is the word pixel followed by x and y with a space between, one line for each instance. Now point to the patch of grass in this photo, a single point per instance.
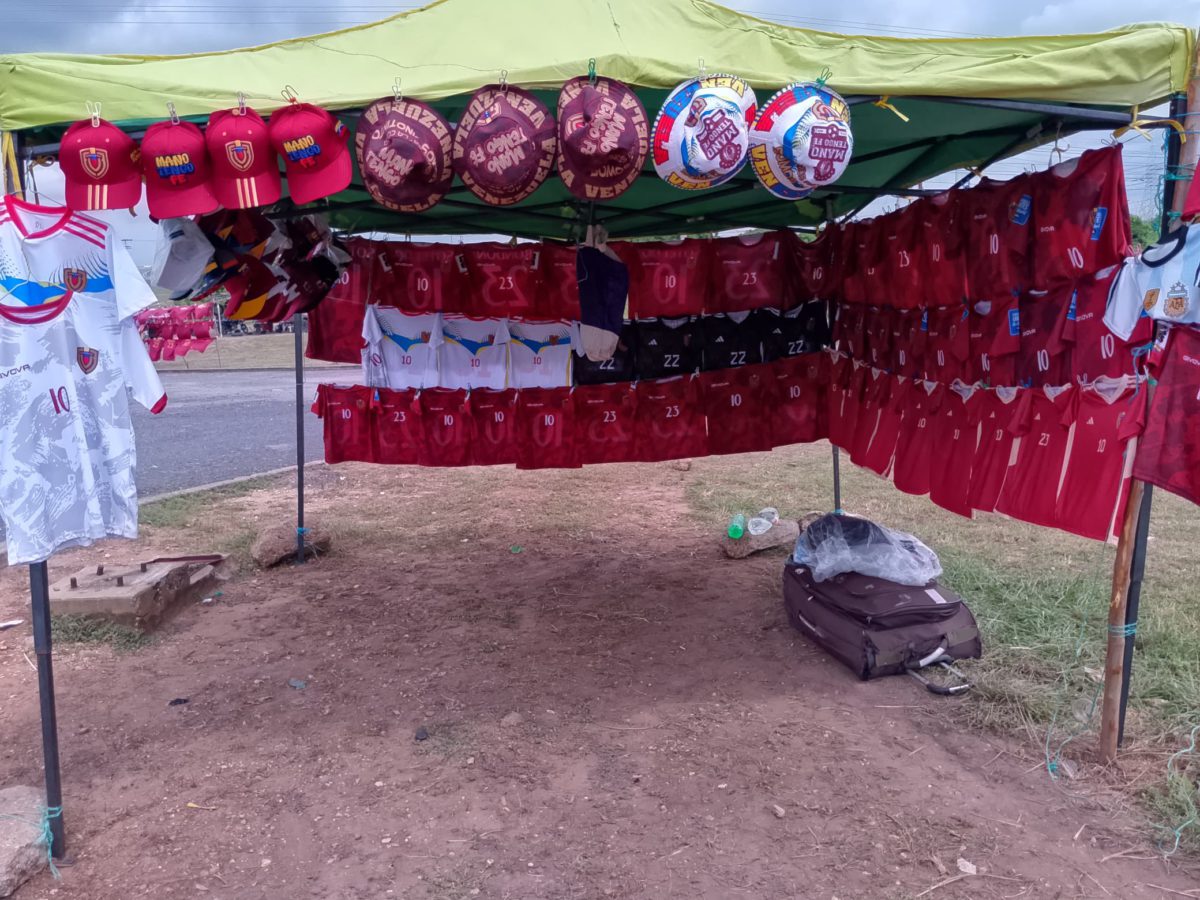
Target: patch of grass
pixel 85 630
pixel 187 509
pixel 1172 807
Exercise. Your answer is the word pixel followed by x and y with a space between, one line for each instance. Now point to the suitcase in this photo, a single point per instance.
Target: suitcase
pixel 878 627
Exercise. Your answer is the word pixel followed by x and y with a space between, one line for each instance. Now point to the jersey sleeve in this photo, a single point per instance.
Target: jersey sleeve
pixel 1124 305
pixel 374 368
pixel 132 292
pixel 140 374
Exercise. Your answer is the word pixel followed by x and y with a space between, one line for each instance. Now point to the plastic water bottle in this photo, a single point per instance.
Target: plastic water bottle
pixel 763 521
pixel 737 527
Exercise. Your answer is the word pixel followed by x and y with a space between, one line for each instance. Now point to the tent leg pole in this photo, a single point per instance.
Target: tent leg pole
pixel 1130 565
pixel 298 328
pixel 837 481
pixel 39 592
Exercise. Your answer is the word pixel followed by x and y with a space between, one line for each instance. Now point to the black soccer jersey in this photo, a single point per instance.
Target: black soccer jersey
pixel 667 347
pixel 804 329
pixel 732 340
pixel 618 368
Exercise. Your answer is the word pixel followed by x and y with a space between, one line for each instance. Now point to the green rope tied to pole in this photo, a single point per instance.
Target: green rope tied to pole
pixel 1124 630
pixel 45 835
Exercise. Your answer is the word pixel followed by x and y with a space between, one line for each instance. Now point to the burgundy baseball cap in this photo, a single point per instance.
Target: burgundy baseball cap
pixel 313 146
pixel 404 149
pixel 504 146
pixel 245 172
pixel 250 288
pixel 100 166
pixel 178 175
pixel 603 138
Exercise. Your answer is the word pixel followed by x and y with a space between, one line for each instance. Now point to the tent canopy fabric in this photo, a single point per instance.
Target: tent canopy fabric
pixel 444 51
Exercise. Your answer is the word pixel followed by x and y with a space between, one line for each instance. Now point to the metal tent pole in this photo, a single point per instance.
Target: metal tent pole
pixel 1137 566
pixel 298 328
pixel 39 598
pixel 1130 565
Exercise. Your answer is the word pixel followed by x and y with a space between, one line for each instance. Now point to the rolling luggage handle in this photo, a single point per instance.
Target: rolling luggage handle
pixel 939 657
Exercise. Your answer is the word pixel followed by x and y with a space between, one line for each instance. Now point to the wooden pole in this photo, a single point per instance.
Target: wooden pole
pixel 1130 563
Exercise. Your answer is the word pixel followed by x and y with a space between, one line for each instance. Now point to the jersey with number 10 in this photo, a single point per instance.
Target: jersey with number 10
pixel 474 353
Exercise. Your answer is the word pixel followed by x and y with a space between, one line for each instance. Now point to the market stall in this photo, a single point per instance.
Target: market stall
pixel 917 109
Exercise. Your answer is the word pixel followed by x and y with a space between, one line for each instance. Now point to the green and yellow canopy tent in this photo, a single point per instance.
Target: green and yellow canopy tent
pixel 967 101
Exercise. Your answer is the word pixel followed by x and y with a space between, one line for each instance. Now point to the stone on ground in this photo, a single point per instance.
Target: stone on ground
pixel 278 545
pixel 22 851
pixel 782 533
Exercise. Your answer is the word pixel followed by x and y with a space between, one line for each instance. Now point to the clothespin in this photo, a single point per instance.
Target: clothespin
pixel 504 81
pixel 397 94
pixel 241 98
pixel 1060 150
pixel 883 103
pixel 592 70
pixel 171 112
pixel 701 72
pixel 93 110
pixel 289 94
pixel 826 74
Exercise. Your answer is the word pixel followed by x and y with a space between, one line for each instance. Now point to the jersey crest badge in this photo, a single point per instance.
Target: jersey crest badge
pixel 1150 299
pixel 88 359
pixel 240 155
pixel 94 161
pixel 75 280
pixel 1176 305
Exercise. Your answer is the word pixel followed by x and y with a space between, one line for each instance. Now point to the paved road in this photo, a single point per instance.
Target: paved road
pixel 220 425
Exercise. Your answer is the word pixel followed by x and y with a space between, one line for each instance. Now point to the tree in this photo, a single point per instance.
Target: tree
pixel 1144 233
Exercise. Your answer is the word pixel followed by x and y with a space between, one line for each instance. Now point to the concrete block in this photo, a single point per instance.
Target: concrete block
pixel 138 595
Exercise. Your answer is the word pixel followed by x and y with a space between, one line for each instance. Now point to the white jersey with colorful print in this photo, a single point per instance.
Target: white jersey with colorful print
pixel 474 353
pixel 401 350
pixel 539 354
pixel 67 456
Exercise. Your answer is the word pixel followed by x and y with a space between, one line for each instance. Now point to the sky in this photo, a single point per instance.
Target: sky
pixel 180 26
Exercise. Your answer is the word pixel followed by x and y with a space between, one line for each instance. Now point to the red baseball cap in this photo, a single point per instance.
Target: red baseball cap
pixel 178 174
pixel 314 148
pixel 245 172
pixel 100 166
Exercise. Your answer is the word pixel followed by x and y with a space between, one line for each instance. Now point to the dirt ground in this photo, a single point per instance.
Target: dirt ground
pixel 612 710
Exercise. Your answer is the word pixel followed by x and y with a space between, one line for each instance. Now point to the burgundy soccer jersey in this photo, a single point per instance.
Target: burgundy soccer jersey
pixel 1040 360
pixel 878 426
pixel 907 343
pixel 999 218
pixel 947 344
pixel 902 258
pixel 955 441
pixel 558 297
pixel 546 429
pixel 446 419
pixel 1169 452
pixel 1043 424
pixel 993 457
pixel 605 418
pixel 815 264
pixel 848 329
pixel 750 272
pixel 348 422
pixel 670 420
pixel 1081 217
pixel 877 331
pixel 421 278
pixel 1094 351
pixel 1095 488
pixel 504 279
pixel 666 279
pixel 335 325
pixel 800 415
pixel 941 238
pixel 863 257
pixel 845 401
pixel 399 434
pixel 738 404
pixel 494 416
pixel 918 402
pixel 994 337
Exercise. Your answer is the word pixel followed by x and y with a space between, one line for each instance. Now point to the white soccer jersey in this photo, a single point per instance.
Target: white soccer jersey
pixel 67 456
pixel 539 354
pixel 1161 283
pixel 401 350
pixel 474 353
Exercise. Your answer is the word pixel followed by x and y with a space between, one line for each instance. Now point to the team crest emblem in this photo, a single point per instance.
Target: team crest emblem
pixel 240 155
pixel 1176 305
pixel 94 161
pixel 75 280
pixel 88 359
pixel 1150 299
